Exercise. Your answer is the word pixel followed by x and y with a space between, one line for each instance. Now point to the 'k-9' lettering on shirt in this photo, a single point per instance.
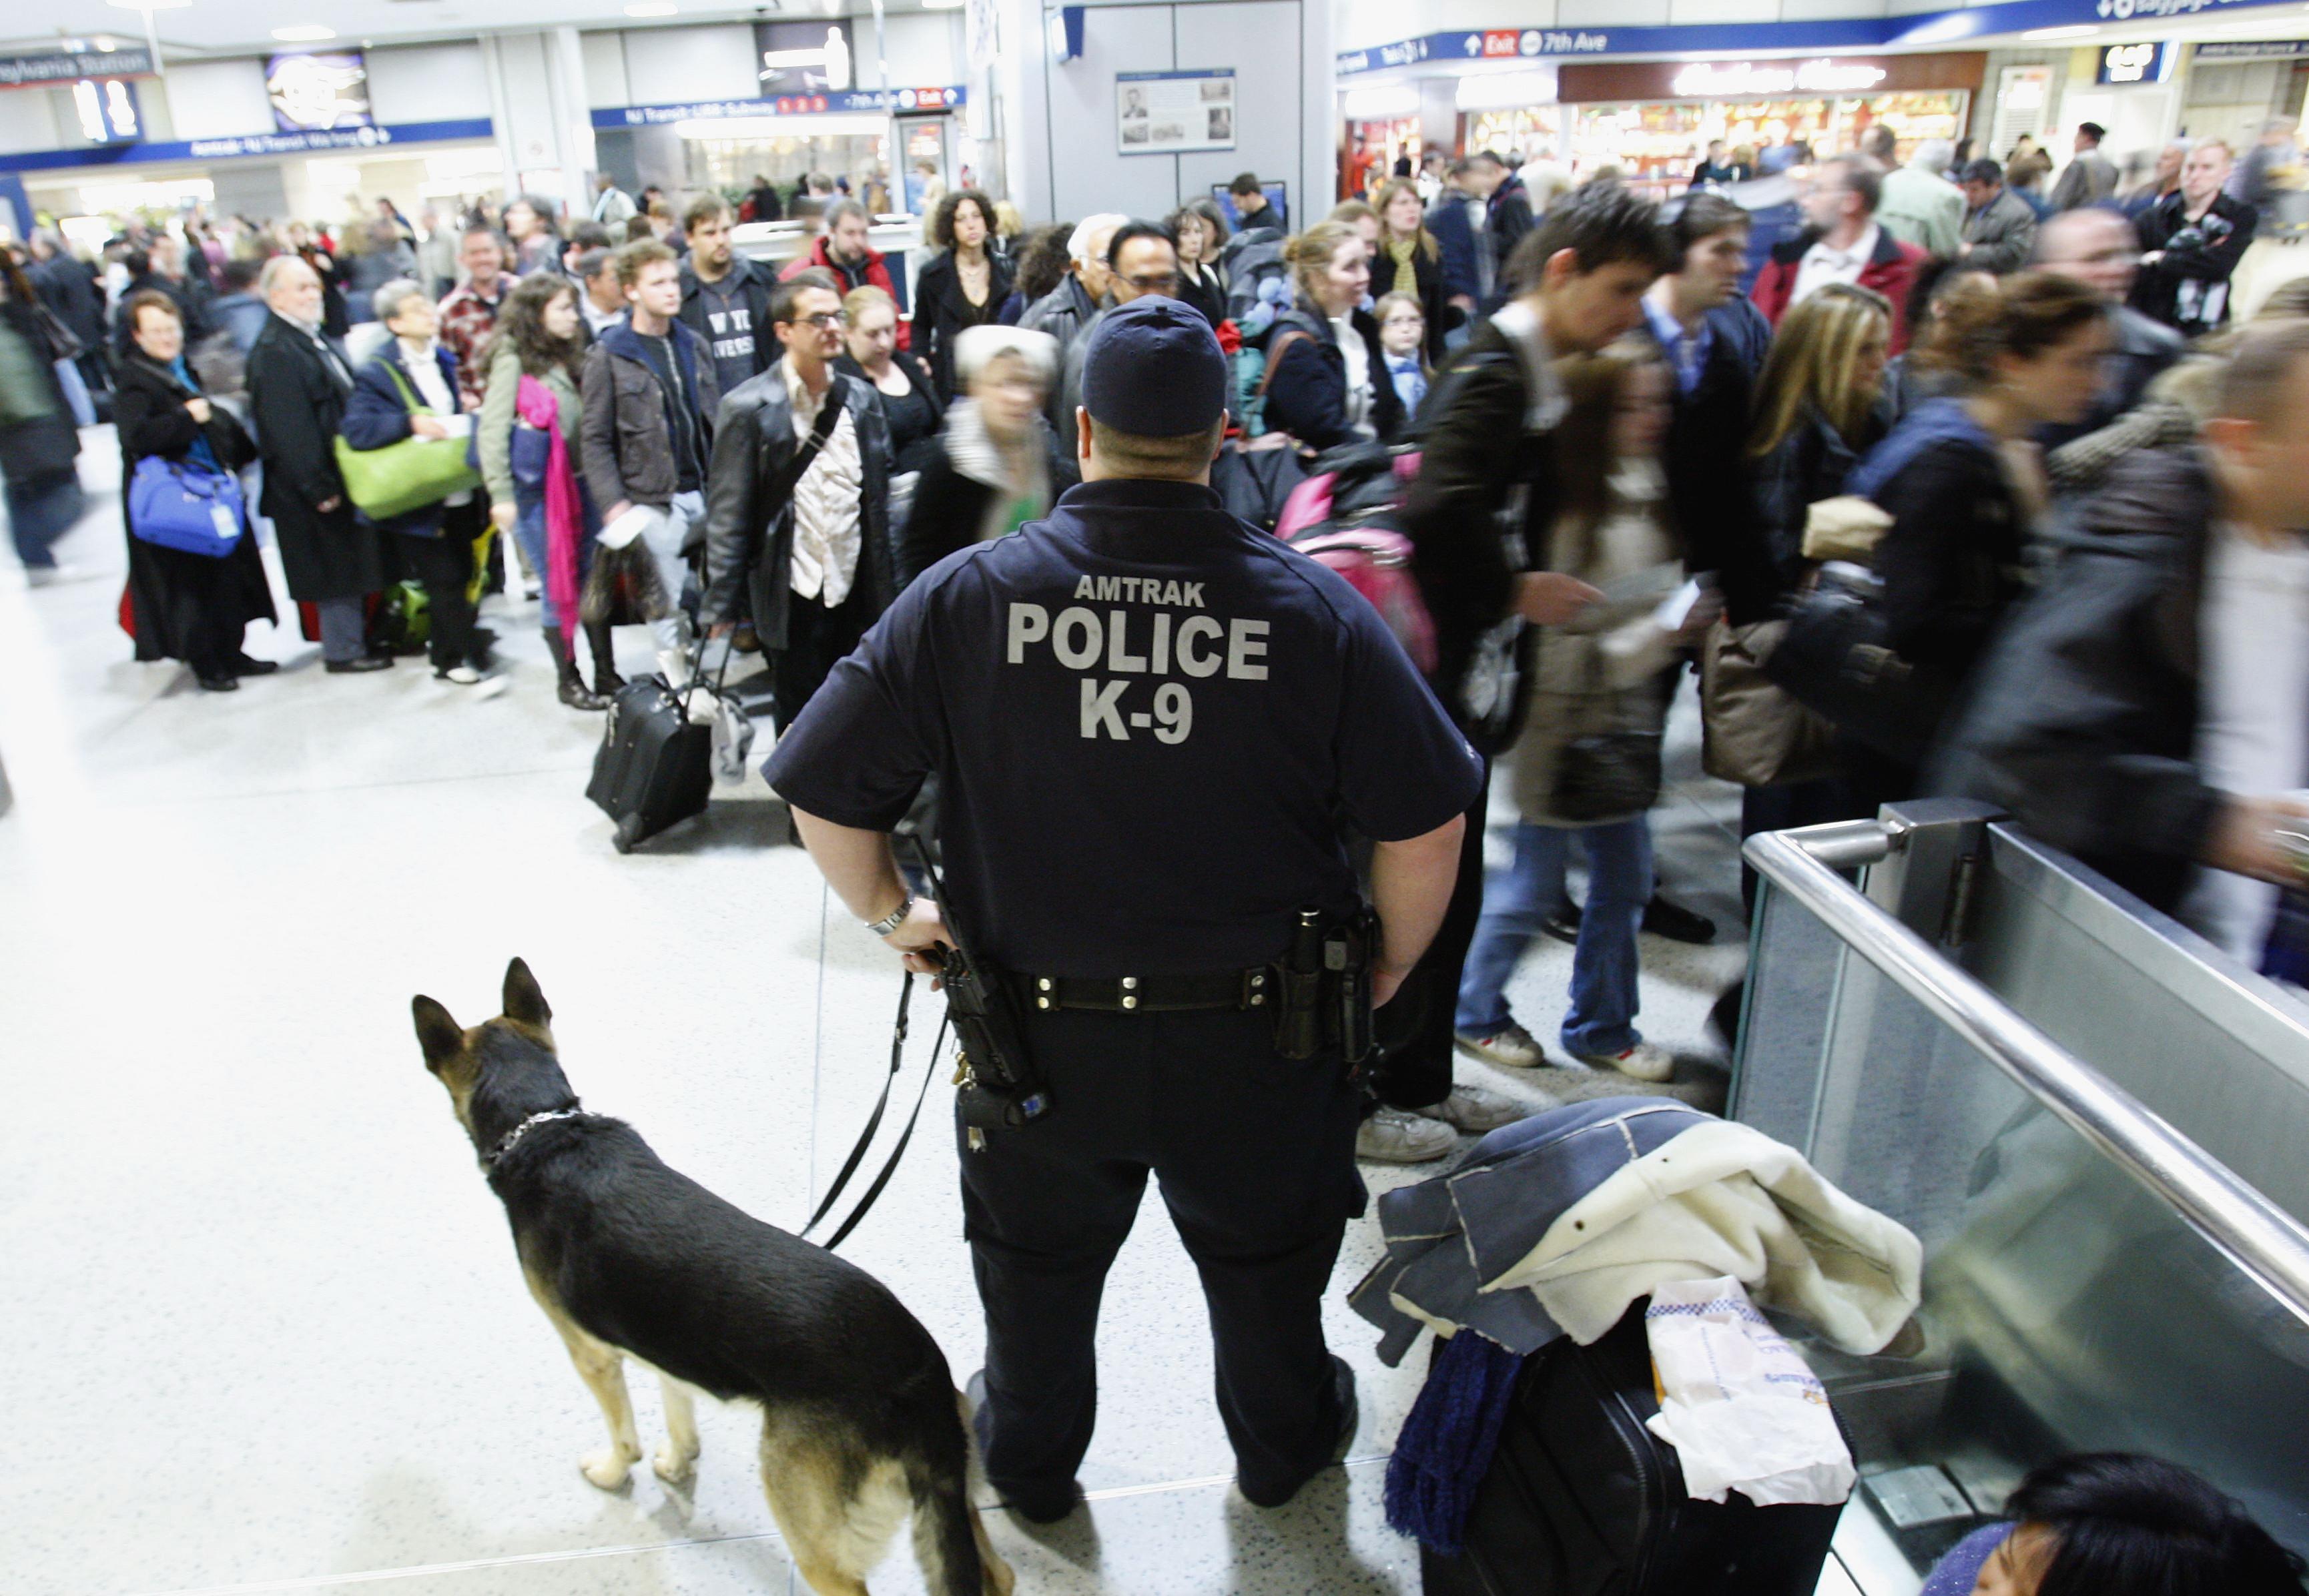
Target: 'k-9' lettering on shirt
pixel 1151 725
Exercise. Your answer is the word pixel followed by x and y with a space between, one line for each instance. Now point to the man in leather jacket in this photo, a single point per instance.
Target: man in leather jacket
pixel 809 554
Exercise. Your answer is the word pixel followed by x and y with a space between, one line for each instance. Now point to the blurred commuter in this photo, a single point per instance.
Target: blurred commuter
pixel 763 202
pixel 1602 685
pixel 2148 711
pixel 528 223
pixel 469 315
pixel 1578 283
pixel 68 286
pixel 912 409
pixel 386 256
pixel 161 270
pixel 537 484
pixel 1403 342
pixel 2191 240
pixel 1044 260
pixel 313 249
pixel 1080 293
pixel 39 443
pixel 1252 205
pixel 239 310
pixel 1409 260
pixel 1841 242
pixel 1452 219
pixel 1919 206
pixel 584 238
pixel 1715 167
pixel 2118 1524
pixel 1364 220
pixel 299 384
pixel 1200 230
pixel 1999 228
pixel 725 298
pixel 613 206
pixel 1325 376
pixel 1507 219
pixel 411 373
pixel 2096 246
pixel 602 298
pixel 963 285
pixel 650 397
pixel 842 252
pixel 2164 179
pixel 2025 171
pixel 2025 352
pixel 995 468
pixel 185 604
pixel 436 253
pixel 807 557
pixel 2253 181
pixel 2090 177
pixel 1141 259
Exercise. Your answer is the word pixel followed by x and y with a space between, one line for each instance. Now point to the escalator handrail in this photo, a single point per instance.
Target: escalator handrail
pixel 2252 1232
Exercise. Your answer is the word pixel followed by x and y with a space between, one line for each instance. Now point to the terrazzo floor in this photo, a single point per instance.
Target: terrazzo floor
pixel 266 1332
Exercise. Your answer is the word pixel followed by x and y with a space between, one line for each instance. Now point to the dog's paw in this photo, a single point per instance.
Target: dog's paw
pixel 609 1467
pixel 673 1465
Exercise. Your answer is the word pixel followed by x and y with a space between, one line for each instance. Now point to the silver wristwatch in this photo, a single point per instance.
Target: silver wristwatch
pixel 894 920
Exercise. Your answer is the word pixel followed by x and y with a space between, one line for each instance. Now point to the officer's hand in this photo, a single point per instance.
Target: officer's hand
pixel 1385 983
pixel 917 934
pixel 1550 598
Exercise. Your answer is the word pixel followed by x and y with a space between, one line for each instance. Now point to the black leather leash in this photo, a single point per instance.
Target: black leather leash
pixel 874 1123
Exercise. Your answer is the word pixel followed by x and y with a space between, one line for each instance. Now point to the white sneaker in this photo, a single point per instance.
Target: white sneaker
pixel 1512 1047
pixel 1395 1136
pixel 465 676
pixel 1475 1110
pixel 1642 1062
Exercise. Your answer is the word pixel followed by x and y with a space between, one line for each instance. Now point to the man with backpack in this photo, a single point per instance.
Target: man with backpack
pixel 1575 284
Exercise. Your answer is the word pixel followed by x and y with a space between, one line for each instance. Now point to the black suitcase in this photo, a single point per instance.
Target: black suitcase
pixel 655 766
pixel 1582 1500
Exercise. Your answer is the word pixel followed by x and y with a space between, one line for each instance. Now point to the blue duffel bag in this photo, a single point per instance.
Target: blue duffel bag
pixel 184 506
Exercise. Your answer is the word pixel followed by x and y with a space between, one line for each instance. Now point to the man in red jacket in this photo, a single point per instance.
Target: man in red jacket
pixel 1841 243
pixel 843 250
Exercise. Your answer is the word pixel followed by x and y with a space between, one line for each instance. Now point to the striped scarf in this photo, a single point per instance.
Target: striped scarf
pixel 1406 275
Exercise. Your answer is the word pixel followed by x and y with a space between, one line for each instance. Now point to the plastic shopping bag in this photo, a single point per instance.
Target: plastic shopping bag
pixel 1740 1407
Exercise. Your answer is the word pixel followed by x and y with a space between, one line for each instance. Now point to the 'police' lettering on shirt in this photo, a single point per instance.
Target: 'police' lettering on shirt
pixel 1146 643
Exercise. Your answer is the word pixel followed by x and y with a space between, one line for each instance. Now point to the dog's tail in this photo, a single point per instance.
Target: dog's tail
pixel 946 1536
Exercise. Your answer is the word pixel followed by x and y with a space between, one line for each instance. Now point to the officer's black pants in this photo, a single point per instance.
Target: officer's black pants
pixel 1256 1158
pixel 1414 1030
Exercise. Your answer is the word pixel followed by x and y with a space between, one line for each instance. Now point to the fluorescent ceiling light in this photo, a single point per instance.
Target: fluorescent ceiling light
pixel 652 8
pixel 150 5
pixel 313 33
pixel 2076 32
pixel 942 5
pixel 820 126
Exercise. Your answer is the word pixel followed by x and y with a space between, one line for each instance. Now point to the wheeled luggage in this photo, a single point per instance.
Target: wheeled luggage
pixel 654 767
pixel 1581 1500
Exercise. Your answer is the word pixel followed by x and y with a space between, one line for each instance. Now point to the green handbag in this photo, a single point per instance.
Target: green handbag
pixel 409 474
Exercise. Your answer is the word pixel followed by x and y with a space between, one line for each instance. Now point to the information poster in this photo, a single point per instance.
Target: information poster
pixel 1169 113
pixel 316 91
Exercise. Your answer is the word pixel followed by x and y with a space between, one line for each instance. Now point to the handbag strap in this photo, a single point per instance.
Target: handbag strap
pixel 1274 354
pixel 790 474
pixel 407 395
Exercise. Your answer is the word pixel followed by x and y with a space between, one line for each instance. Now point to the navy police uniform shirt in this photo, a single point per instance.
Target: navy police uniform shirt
pixel 1151 723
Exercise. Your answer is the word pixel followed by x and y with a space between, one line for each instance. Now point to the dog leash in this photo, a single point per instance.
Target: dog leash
pixel 874 1123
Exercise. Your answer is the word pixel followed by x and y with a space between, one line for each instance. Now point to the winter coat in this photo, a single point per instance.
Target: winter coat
pixel 377 415
pixel 2088 179
pixel 2002 234
pixel 1506 218
pixel 38 438
pixel 2188 289
pixel 912 419
pixel 2144 350
pixel 1062 313
pixel 1711 508
pixel 1448 220
pixel 960 489
pixel 749 539
pixel 297 410
pixel 1307 383
pixel 1427 276
pixel 500 417
pixel 942 310
pixel 871 271
pixel 627 425
pixel 1891 272
pixel 2084 724
pixel 756 283
pixel 1808 465
pixel 178 601
pixel 67 287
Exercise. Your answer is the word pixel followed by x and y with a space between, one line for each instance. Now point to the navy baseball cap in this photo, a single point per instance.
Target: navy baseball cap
pixel 1154 369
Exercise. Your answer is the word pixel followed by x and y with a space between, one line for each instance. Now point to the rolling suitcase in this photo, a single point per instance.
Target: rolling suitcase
pixel 656 765
pixel 1582 1500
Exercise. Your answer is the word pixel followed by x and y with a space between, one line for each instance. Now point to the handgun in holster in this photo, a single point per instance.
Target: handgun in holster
pixel 999 1088
pixel 1325 986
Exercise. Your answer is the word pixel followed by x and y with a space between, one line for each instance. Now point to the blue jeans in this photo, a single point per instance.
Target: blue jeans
pixel 529 532
pixel 1515 903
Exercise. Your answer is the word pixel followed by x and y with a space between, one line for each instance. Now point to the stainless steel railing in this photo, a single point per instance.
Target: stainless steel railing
pixel 2252 1232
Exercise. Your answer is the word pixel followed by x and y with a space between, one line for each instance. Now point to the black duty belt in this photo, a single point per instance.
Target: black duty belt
pixel 1237 989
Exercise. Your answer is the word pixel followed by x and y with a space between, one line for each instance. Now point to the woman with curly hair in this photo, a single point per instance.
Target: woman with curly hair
pixel 963 285
pixel 529 442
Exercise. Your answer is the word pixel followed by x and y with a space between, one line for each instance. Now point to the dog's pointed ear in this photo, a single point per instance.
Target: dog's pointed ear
pixel 523 999
pixel 441 1037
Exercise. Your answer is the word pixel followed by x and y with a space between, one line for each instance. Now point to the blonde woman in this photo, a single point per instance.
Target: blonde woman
pixel 1326 374
pixel 1409 259
pixel 909 397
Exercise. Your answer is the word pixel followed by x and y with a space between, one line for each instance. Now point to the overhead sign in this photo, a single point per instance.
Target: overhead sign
pixel 2148 62
pixel 53 68
pixel 803 58
pixel 1708 81
pixel 1749 39
pixel 314 90
pixel 1172 113
pixel 108 111
pixel 249 145
pixel 2263 49
pixel 951 98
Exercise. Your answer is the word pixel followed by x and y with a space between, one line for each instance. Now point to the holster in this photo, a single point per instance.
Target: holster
pixel 1000 1089
pixel 1323 984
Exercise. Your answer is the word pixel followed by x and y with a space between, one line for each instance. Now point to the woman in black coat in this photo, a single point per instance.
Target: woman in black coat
pixel 1311 393
pixel 997 463
pixel 910 400
pixel 962 286
pixel 1405 245
pixel 1201 229
pixel 184 606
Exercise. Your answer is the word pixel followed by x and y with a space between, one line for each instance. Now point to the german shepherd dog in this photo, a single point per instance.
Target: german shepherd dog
pixel 861 1422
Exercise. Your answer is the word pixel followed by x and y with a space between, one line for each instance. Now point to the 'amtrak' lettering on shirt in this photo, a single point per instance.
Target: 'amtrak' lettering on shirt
pixel 1127 644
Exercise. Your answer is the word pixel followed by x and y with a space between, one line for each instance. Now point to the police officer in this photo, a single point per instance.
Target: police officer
pixel 1151 724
